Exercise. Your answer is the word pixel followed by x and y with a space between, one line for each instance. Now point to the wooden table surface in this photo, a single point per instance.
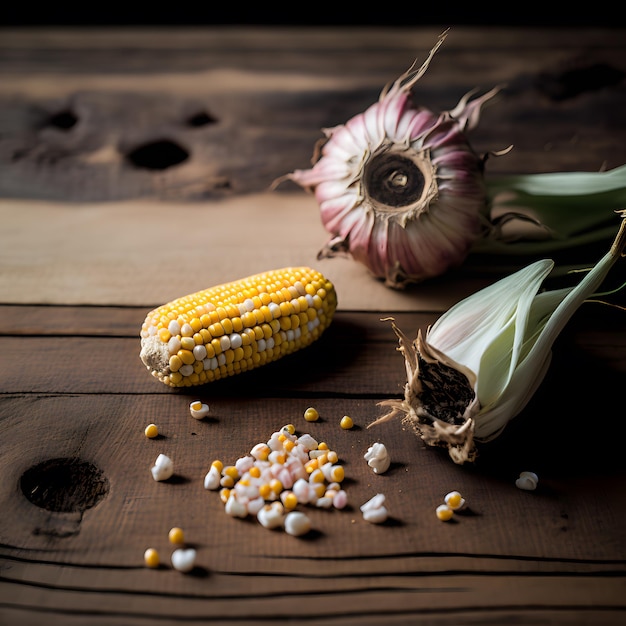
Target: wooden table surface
pixel 135 167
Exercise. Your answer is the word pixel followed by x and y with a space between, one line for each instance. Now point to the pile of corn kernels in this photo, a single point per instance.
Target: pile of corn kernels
pixel 277 475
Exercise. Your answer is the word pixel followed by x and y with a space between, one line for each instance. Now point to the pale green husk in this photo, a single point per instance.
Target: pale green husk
pixel 540 214
pixel 498 342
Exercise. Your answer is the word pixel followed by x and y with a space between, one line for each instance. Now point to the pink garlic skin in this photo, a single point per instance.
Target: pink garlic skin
pixel 426 236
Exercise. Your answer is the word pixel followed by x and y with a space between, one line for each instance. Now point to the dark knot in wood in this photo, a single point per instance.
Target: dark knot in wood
pixel 64 485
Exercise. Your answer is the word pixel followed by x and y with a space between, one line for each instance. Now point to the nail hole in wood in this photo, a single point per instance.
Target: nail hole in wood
pixel 64 485
pixel 158 155
pixel 201 118
pixel 63 120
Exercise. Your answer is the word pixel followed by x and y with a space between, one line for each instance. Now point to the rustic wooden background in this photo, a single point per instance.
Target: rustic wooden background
pixel 135 167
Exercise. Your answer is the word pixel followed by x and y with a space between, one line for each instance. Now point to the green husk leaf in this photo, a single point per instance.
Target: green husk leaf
pixel 538 214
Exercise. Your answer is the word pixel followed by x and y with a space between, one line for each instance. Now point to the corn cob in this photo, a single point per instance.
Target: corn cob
pixel 235 327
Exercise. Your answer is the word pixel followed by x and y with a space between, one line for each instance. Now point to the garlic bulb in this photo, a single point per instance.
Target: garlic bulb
pixel 401 190
pixel 399 187
pixel 480 363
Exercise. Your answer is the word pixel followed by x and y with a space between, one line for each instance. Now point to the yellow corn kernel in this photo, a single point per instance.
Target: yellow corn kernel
pixel 296 300
pixel 151 558
pixel 290 501
pixel 444 512
pixel 276 486
pixel 311 415
pixel 318 488
pixel 176 535
pixel 316 476
pixel 346 422
pixel 151 431
pixel 232 471
pixel 335 474
pixel 164 335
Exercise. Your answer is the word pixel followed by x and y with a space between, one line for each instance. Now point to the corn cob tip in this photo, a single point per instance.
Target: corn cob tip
pixel 237 326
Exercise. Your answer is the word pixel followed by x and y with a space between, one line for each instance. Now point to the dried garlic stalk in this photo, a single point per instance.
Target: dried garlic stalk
pixel 401 190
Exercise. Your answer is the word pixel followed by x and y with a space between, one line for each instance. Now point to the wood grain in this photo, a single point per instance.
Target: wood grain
pixel 91 241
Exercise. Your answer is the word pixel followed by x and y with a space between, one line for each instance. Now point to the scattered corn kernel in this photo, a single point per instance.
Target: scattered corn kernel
pixel 346 422
pixel 198 409
pixel 444 512
pixel 184 559
pixel 163 468
pixel 311 415
pixel 176 535
pixel 151 558
pixel 152 431
pixel 378 458
pixel 454 500
pixel 527 481
pixel 212 478
pixel 374 509
pixel 297 523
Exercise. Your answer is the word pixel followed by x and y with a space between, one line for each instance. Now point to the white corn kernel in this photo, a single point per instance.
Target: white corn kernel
pixel 184 559
pixel 212 478
pixel 234 508
pixel 444 512
pixel 297 523
pixel 378 458
pixel 527 481
pixel 454 500
pixel 271 515
pixel 198 409
pixel 163 468
pixel 340 499
pixel 374 509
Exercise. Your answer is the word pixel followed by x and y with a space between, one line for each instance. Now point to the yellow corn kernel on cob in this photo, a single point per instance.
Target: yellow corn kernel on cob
pixel 237 326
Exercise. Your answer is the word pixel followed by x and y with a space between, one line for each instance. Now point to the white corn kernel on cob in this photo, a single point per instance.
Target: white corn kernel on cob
pixel 235 327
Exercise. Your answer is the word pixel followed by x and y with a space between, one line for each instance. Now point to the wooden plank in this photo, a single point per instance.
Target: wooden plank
pixel 129 253
pixel 90 564
pixel 91 241
pixel 259 113
pixel 266 107
pixel 340 362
